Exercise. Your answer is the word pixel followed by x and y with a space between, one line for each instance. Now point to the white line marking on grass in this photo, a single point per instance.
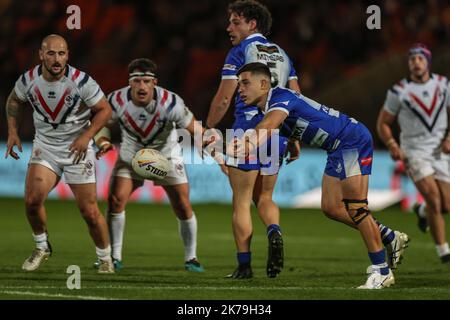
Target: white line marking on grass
pixel 213 288
pixel 51 295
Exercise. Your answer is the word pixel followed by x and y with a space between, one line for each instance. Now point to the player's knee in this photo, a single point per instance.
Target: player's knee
pixel 330 210
pixel 90 212
pixel 116 203
pixel 90 215
pixel 262 200
pixel 183 209
pixel 434 204
pixel 357 209
pixel 33 203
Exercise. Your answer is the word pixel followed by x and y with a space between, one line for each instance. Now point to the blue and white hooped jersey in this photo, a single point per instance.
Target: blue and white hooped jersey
pixel 256 48
pixel 309 121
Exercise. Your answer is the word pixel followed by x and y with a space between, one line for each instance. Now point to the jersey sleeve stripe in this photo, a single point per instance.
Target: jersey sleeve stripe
pixel 30 74
pixel 110 100
pixel 386 108
pixel 278 108
pixel 76 74
pixel 95 94
pixel 129 94
pixel 393 91
pixel 83 82
pixel 119 99
pixel 164 97
pixel 24 81
pixel 172 104
pixel 231 77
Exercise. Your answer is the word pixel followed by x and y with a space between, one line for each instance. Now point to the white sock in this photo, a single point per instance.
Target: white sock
pixel 188 233
pixel 442 249
pixel 116 224
pixel 41 240
pixel 422 212
pixel 104 254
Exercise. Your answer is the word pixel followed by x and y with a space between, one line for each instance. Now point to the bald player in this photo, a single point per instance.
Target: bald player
pixel 69 108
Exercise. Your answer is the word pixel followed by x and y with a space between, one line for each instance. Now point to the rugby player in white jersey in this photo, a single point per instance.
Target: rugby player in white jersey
pixel 148 115
pixel 69 108
pixel 420 105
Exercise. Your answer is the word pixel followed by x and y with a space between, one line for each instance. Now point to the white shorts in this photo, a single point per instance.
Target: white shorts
pixel 422 165
pixel 58 160
pixel 175 176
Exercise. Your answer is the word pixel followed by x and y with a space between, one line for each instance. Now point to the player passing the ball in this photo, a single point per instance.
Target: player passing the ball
pixel 148 116
pixel 69 108
pixel 349 147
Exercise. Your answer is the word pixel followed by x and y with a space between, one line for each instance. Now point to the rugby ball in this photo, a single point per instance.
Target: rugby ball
pixel 150 164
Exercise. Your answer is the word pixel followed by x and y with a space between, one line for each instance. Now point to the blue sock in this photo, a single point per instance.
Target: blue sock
pixel 273 227
pixel 378 260
pixel 387 234
pixel 244 257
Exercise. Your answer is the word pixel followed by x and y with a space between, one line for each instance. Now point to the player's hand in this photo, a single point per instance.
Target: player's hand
pixel 293 148
pixel 79 148
pixel 13 140
pixel 396 152
pixel 212 142
pixel 237 149
pixel 104 148
pixel 446 146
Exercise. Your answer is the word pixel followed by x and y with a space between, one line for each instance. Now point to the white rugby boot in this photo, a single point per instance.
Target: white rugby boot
pixel 377 281
pixel 106 266
pixel 37 257
pixel 396 249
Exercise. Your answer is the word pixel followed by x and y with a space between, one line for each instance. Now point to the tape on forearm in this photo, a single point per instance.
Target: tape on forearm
pixel 104 133
pixel 390 142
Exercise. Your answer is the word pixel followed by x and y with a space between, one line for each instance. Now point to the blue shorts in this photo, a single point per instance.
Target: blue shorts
pixel 265 161
pixel 353 156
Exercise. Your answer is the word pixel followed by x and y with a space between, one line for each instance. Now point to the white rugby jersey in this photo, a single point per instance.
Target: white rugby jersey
pixel 152 126
pixel 421 110
pixel 61 109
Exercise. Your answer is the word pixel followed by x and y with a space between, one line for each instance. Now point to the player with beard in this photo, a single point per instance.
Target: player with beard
pixel 69 108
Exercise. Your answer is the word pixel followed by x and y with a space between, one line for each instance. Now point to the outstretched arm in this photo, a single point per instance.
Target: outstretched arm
pixel 13 112
pixel 207 141
pixel 221 102
pixel 250 142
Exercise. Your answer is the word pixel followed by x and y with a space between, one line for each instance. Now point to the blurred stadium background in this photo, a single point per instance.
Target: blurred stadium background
pixel 340 62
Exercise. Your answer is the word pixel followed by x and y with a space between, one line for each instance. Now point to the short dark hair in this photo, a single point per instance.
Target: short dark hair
pixel 143 65
pixel 251 9
pixel 255 68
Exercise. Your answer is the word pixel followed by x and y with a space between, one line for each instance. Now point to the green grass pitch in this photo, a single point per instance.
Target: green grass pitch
pixel 323 259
